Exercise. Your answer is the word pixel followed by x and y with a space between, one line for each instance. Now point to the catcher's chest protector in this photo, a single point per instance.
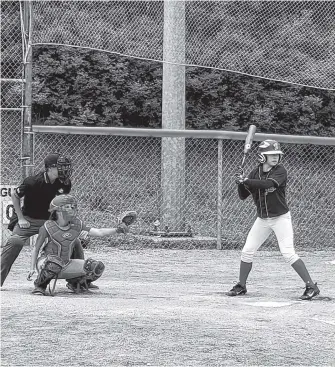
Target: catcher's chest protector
pixel 62 241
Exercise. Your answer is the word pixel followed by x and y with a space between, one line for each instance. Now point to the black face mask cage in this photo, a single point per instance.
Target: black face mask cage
pixel 64 168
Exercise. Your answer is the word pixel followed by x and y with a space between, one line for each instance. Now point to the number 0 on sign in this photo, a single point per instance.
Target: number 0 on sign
pixel 7 211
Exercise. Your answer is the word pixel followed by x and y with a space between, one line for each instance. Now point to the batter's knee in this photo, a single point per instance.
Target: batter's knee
pixel 290 257
pixel 247 256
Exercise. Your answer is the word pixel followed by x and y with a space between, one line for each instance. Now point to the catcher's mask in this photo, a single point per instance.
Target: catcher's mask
pixel 63 164
pixel 268 147
pixel 66 205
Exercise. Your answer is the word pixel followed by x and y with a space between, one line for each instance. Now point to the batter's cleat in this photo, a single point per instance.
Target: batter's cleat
pixel 237 290
pixel 39 291
pixel 310 292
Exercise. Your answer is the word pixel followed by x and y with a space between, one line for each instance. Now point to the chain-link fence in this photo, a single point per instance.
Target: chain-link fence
pixel 11 40
pixel 115 173
pixel 11 91
pixel 11 103
pixel 291 41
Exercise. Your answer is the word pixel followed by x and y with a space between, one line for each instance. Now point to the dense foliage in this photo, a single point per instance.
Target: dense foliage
pixel 80 87
pixel 73 86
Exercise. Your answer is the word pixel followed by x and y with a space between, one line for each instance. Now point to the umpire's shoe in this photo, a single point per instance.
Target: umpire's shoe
pixel 237 290
pixel 310 292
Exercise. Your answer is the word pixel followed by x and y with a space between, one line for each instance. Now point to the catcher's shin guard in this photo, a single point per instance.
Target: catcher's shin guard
pixel 50 269
pixel 93 269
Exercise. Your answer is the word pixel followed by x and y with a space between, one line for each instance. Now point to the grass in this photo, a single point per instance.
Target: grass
pixel 159 307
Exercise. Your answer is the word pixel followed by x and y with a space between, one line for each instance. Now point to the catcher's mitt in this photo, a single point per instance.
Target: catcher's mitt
pixel 125 220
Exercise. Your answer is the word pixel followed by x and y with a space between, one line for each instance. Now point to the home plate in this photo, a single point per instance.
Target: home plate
pixel 269 304
pixel 330 322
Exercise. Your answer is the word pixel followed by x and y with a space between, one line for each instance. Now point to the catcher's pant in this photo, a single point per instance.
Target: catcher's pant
pixel 261 230
pixel 18 239
pixel 73 269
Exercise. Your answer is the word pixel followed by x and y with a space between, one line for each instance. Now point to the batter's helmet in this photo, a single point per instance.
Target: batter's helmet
pixel 268 147
pixel 63 164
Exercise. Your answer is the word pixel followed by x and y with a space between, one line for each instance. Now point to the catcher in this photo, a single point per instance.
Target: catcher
pixel 56 240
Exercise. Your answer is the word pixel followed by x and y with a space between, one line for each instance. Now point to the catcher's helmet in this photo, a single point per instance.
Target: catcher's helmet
pixel 63 164
pixel 58 203
pixel 268 147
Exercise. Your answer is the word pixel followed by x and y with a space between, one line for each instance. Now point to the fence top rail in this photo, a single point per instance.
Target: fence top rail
pixel 12 80
pixel 197 134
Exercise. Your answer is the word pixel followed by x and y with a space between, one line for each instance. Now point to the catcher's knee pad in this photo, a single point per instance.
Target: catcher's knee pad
pixel 51 267
pixel 94 269
pixel 247 256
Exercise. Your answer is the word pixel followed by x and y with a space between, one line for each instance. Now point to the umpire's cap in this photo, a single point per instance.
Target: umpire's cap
pixel 63 164
pixel 51 160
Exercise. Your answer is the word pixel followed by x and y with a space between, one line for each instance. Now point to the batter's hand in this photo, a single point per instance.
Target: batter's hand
pixel 239 179
pixel 30 275
pixel 240 172
pixel 23 223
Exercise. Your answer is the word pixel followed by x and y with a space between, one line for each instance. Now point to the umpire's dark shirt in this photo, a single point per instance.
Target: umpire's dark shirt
pixel 37 192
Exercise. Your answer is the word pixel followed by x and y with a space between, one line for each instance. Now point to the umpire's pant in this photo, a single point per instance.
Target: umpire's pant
pixel 15 243
pixel 18 239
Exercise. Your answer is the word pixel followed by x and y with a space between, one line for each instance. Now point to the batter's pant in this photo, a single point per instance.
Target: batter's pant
pixel 18 239
pixel 261 230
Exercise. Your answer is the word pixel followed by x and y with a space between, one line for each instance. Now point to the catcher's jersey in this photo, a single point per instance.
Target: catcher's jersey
pixel 270 202
pixel 60 241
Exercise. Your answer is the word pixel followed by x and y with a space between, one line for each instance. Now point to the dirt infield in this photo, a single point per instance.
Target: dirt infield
pixel 168 308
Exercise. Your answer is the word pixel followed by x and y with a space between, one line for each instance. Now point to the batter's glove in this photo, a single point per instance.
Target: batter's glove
pixel 125 220
pixel 239 176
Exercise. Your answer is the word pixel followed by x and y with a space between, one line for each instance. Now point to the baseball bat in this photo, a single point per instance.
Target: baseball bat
pixel 248 142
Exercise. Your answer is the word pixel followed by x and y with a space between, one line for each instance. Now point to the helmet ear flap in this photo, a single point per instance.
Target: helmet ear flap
pixel 261 158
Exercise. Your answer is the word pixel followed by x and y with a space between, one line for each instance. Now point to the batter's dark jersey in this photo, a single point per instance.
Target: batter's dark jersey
pixel 267 190
pixel 37 192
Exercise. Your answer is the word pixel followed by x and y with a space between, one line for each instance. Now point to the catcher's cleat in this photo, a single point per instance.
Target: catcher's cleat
pixel 92 286
pixel 237 290
pixel 310 292
pixel 74 287
pixel 39 291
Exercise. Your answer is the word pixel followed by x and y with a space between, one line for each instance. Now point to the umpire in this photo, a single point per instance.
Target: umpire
pixel 37 192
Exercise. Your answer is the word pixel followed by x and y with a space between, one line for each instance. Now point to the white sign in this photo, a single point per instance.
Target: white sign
pixel 6 208
pixel 6 203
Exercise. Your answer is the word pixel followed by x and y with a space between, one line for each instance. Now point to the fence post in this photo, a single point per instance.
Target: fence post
pixel 27 134
pixel 219 199
pixel 173 117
